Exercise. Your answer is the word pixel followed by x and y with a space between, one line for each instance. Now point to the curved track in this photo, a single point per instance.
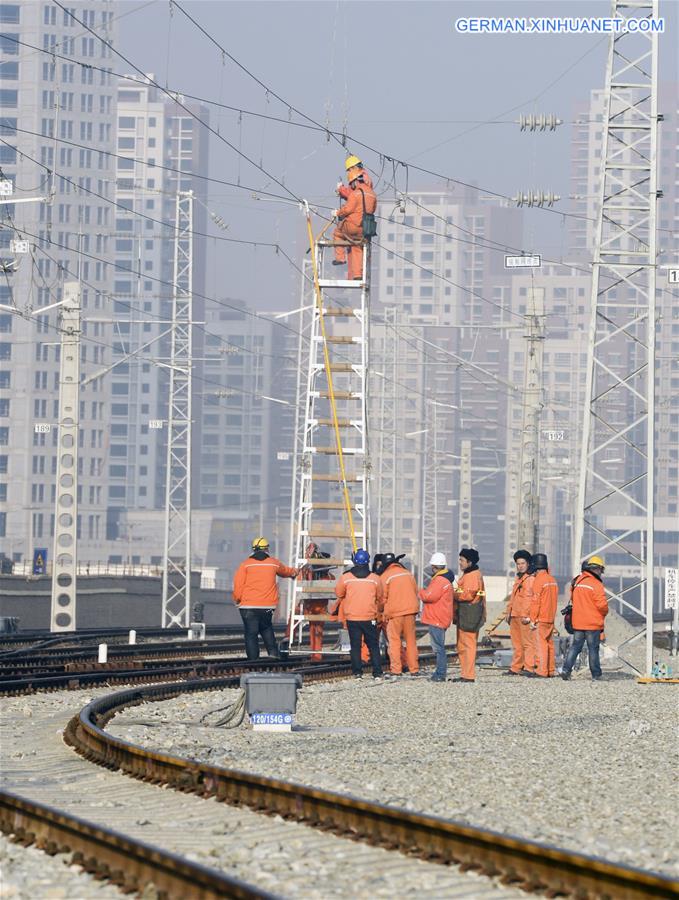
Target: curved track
pixel 530 865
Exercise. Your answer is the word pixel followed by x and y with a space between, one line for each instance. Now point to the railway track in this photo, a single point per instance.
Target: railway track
pixel 272 856
pixel 532 866
pixel 516 862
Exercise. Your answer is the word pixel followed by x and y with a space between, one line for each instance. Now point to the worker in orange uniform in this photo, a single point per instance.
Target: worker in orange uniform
pixel 469 612
pixel 315 606
pixel 590 609
pixel 359 602
pixel 542 614
pixel 255 593
pixel 520 632
pixel 360 200
pixel 437 611
pixel 401 606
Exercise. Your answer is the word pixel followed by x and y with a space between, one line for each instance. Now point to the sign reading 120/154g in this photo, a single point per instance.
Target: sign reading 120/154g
pixel 523 262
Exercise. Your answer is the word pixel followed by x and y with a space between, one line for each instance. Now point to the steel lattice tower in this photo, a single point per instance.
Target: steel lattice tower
pixel 177 547
pixel 616 487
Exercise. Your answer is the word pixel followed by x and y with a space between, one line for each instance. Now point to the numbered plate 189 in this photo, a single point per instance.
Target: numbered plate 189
pixel 271 718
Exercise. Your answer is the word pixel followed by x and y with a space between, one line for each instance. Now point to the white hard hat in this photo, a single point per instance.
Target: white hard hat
pixel 438 559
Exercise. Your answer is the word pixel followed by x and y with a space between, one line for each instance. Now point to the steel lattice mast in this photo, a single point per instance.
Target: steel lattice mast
pixel 177 547
pixel 616 487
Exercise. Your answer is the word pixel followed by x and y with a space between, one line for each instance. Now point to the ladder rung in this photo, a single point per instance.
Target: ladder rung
pixel 341 339
pixel 324 477
pixel 329 243
pixel 340 395
pixel 317 617
pixel 341 423
pixel 341 283
pixel 341 367
pixel 315 587
pixel 327 505
pixel 322 562
pixel 348 311
pixel 314 533
pixel 332 451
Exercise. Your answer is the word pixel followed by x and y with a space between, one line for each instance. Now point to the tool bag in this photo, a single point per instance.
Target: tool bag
pixel 368 222
pixel 567 613
pixel 471 616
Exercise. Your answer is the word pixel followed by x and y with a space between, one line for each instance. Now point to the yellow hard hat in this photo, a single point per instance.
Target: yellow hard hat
pixel 351 161
pixel 260 543
pixel 596 561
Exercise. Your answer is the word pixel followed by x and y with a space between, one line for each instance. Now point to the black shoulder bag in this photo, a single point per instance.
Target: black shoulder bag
pixel 368 223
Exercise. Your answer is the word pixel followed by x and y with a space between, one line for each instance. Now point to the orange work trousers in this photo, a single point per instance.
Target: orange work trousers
pixel 466 651
pixel 523 644
pixel 346 231
pixel 544 644
pixel 402 628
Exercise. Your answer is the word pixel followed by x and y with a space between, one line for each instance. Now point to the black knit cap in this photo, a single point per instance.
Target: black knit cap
pixel 470 554
pixel 522 554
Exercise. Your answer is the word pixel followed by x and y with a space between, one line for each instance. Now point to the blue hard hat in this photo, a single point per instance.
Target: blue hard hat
pixel 360 557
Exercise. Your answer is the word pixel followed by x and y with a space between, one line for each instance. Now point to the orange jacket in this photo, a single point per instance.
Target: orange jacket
pixel 545 598
pixel 360 598
pixel 470 588
pixel 352 210
pixel 254 583
pixel 344 190
pixel 590 606
pixel 438 601
pixel 522 595
pixel 400 592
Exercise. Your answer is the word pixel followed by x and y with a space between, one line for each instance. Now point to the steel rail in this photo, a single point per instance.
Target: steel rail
pixel 531 865
pixel 124 861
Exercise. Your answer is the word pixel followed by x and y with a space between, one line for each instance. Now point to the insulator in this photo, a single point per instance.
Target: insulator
pixel 536 198
pixel 542 122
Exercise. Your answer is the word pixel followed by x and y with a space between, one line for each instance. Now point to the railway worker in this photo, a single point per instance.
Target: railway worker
pixel 437 611
pixel 314 606
pixel 590 609
pixel 361 200
pixel 359 602
pixel 354 169
pixel 542 614
pixel 520 632
pixel 401 606
pixel 255 593
pixel 469 612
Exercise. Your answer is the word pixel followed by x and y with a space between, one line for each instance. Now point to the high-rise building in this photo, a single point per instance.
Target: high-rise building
pixel 57 125
pixel 160 146
pixel 443 262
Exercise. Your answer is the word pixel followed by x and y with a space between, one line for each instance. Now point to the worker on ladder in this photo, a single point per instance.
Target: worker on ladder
pixel 315 606
pixel 356 218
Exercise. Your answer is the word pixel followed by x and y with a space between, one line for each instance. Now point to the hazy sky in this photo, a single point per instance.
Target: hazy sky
pixel 400 77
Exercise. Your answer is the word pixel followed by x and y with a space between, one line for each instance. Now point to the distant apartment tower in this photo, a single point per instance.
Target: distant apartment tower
pixel 160 147
pixel 57 119
pixel 236 437
pixel 443 261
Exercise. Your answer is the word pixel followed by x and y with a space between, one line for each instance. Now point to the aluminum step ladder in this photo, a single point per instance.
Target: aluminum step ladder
pixel 333 477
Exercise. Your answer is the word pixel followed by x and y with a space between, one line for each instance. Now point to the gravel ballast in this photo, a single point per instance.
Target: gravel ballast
pixel 290 859
pixel 27 873
pixel 586 766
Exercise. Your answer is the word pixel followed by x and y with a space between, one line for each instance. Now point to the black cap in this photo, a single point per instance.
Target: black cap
pixel 540 561
pixel 522 554
pixel 470 554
